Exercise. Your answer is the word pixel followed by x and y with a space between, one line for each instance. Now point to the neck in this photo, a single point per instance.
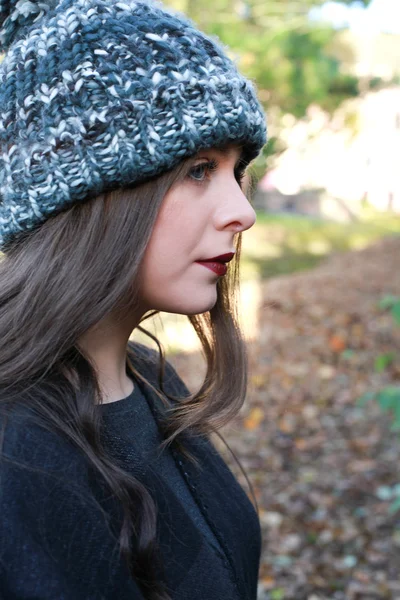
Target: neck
pixel 105 345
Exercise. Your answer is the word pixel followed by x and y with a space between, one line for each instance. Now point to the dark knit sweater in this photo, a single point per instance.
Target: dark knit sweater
pixel 56 543
pixel 130 424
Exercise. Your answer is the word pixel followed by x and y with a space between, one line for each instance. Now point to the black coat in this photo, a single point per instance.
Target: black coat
pixel 57 544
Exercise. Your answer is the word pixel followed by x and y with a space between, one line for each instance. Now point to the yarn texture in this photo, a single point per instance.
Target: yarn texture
pixel 96 95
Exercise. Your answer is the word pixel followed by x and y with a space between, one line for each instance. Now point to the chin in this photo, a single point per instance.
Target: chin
pixel 199 311
pixel 197 306
pixel 192 310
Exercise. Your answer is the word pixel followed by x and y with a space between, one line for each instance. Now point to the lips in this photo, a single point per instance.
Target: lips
pixel 224 258
pixel 217 264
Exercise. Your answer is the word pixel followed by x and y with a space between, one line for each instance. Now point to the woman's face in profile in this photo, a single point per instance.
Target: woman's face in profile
pixel 198 220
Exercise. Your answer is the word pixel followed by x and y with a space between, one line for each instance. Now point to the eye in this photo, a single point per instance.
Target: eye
pixel 197 172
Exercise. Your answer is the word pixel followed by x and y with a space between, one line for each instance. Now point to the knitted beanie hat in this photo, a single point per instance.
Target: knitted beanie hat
pixel 100 94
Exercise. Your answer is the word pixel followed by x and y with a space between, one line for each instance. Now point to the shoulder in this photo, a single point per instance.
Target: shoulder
pixel 56 521
pixel 44 477
pixel 31 450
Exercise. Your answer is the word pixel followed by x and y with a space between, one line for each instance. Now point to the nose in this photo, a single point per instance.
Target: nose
pixel 235 213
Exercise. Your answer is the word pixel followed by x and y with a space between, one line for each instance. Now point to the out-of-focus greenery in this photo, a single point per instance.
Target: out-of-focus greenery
pixel 279 48
pixel 283 244
pixel 293 61
pixel 388 398
pixel 292 67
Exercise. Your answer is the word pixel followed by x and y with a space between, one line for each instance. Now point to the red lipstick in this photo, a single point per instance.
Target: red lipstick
pixel 217 264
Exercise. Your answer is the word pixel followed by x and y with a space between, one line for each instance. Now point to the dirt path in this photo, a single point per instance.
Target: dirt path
pixel 319 464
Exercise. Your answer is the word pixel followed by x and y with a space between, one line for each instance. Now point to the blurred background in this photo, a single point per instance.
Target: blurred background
pixel 318 434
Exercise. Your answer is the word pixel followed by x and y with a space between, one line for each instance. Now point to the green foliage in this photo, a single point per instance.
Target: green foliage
pixel 387 301
pixel 392 303
pixel 395 506
pixel 375 83
pixel 396 312
pixel 279 48
pixel 341 87
pixel 292 67
pixel 347 354
pixel 277 594
pixel 311 71
pixel 388 398
pixel 382 361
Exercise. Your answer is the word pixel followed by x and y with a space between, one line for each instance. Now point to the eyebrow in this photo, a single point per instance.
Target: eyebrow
pixel 226 150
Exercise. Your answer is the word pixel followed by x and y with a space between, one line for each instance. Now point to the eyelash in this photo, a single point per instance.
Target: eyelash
pixel 211 166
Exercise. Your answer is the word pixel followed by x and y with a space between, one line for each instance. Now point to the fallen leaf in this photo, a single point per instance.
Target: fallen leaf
pixel 337 343
pixel 254 419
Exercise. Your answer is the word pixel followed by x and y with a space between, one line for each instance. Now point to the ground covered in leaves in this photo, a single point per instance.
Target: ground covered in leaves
pixel 323 468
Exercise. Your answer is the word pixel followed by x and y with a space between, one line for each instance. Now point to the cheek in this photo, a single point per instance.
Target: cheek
pixel 166 244
pixel 170 281
pixel 176 235
pixel 166 253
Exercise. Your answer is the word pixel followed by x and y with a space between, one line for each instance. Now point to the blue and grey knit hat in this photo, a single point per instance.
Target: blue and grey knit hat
pixel 100 94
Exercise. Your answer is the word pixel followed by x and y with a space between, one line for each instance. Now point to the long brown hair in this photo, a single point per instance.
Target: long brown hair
pixel 60 280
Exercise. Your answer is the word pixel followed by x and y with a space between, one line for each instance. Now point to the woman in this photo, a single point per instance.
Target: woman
pixel 125 133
